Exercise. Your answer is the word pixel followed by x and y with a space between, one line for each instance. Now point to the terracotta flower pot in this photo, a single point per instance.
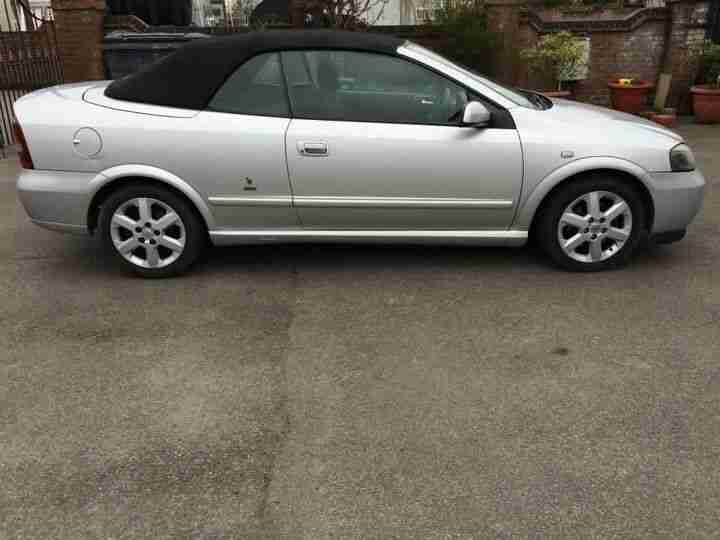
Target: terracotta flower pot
pixel 666 119
pixel 706 104
pixel 630 98
pixel 565 94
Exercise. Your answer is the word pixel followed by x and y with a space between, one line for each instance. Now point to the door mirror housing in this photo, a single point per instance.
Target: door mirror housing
pixel 476 114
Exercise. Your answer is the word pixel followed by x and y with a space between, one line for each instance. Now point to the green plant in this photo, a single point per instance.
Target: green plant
pixel 560 53
pixel 708 56
pixel 468 42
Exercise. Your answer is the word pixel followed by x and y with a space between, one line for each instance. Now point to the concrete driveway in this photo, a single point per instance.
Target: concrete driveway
pixel 317 392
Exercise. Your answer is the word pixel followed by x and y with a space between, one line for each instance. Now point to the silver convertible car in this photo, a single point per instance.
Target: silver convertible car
pixel 311 136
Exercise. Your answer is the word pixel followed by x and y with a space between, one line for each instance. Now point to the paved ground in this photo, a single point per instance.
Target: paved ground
pixel 344 392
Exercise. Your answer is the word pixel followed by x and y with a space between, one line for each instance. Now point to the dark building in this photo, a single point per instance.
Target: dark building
pixel 155 12
pixel 276 11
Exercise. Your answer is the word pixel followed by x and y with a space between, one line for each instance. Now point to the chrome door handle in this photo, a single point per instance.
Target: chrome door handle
pixel 313 148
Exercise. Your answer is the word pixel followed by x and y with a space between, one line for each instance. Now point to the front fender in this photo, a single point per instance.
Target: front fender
pixel 532 199
pixel 146 171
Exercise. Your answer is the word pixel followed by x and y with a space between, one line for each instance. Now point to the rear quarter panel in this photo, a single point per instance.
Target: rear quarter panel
pixel 212 153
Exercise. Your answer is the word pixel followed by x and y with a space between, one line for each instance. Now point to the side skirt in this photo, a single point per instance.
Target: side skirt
pixel 380 236
pixel 62 227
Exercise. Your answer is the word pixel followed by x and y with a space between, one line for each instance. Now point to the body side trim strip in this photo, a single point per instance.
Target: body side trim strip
pixel 359 202
pixel 398 202
pixel 273 200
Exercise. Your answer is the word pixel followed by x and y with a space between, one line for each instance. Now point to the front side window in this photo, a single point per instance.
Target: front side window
pixel 256 87
pixel 511 94
pixel 366 87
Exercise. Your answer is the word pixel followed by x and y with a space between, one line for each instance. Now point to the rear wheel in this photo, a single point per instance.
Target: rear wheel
pixel 593 224
pixel 151 230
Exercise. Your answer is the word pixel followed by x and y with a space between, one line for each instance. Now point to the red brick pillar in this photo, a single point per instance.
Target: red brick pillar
pixel 688 31
pixel 297 13
pixel 79 31
pixel 504 21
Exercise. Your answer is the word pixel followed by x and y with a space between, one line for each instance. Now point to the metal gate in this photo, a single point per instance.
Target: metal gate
pixel 28 57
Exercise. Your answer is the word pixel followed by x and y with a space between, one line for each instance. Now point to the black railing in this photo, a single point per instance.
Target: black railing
pixel 28 60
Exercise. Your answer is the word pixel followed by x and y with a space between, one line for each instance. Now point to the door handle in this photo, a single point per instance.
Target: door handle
pixel 313 148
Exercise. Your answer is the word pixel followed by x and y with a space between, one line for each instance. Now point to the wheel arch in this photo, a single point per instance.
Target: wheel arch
pixel 109 181
pixel 546 188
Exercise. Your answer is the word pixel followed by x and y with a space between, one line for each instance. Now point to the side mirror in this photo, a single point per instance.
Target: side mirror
pixel 476 115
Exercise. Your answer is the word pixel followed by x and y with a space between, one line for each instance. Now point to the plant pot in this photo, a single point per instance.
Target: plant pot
pixel 630 98
pixel 665 118
pixel 565 94
pixel 706 104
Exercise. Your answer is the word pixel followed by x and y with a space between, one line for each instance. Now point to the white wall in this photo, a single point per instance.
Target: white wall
pixel 395 12
pixel 201 12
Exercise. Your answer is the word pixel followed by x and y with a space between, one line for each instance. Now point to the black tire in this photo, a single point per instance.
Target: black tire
pixel 195 232
pixel 546 229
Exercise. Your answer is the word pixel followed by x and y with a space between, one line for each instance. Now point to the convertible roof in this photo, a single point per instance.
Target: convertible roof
pixel 190 76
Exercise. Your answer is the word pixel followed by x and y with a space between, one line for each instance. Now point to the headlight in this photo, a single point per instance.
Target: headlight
pixel 682 158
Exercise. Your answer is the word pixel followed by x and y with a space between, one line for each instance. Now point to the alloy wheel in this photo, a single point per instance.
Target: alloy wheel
pixel 595 226
pixel 147 232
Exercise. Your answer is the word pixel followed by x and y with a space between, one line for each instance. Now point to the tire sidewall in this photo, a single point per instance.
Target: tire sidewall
pixel 566 195
pixel 195 231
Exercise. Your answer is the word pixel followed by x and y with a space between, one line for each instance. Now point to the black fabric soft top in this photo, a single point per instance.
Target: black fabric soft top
pixel 190 76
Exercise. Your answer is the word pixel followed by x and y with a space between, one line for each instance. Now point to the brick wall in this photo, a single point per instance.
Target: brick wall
pixel 615 55
pixel 623 43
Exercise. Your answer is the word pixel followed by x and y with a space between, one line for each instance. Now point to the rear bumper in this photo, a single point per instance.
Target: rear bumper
pixel 56 200
pixel 677 197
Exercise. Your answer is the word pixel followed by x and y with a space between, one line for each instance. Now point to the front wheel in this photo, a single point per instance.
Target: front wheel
pixel 593 224
pixel 151 230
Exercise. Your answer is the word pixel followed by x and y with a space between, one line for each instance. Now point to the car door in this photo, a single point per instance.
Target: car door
pixel 239 149
pixel 375 142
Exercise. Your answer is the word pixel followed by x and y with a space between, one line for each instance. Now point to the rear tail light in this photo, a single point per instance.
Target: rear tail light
pixel 23 152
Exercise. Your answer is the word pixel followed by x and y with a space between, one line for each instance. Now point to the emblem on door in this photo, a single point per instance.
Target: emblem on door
pixel 249 185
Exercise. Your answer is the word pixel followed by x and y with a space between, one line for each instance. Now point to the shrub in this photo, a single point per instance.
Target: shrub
pixel 708 55
pixel 469 42
pixel 560 53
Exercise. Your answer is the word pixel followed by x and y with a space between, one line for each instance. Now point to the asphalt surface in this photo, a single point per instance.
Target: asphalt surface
pixel 317 392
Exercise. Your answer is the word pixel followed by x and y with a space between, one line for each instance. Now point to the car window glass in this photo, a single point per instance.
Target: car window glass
pixel 256 87
pixel 366 87
pixel 509 93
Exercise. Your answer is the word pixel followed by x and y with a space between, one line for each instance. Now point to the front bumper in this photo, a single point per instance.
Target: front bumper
pixel 677 197
pixel 56 200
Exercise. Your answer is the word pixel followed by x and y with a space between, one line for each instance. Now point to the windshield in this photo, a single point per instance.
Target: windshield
pixel 508 93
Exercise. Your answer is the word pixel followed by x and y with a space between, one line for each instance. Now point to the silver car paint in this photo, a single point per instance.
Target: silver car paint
pixel 379 181
pixel 206 154
pixel 599 138
pixel 350 188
